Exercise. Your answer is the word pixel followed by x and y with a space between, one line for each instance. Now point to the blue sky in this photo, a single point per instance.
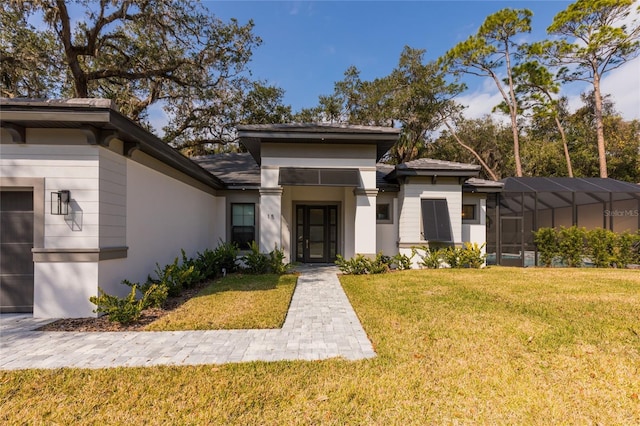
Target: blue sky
pixel 307 45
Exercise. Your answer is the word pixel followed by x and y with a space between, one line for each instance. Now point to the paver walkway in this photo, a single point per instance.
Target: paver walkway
pixel 320 324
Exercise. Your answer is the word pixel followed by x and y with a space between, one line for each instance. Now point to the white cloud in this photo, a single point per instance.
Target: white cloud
pixel 623 84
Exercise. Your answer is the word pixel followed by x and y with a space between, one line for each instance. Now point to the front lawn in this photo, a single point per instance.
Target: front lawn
pixel 494 346
pixel 235 302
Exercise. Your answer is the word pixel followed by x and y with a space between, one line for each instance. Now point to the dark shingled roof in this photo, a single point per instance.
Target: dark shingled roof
pixel 237 169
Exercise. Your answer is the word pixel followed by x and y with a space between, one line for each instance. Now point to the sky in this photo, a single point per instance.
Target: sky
pixel 307 45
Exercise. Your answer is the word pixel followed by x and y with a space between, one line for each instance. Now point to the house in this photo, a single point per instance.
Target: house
pixel 89 198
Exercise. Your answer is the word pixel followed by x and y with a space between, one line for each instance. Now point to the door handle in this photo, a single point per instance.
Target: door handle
pixel 307 243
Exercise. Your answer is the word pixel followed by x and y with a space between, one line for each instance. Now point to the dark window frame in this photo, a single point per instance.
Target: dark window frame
pixel 240 233
pixel 474 217
pixel 389 215
pixel 436 221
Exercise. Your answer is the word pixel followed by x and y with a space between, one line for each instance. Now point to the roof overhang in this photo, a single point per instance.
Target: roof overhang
pixel 252 136
pixel 100 121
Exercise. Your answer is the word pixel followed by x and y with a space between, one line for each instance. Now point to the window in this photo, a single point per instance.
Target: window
pixel 469 212
pixel 383 213
pixel 436 225
pixel 243 224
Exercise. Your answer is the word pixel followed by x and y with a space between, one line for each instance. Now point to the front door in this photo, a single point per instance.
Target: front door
pixel 316 233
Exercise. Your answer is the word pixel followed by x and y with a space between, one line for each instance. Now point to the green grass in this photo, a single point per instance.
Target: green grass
pixel 494 346
pixel 234 302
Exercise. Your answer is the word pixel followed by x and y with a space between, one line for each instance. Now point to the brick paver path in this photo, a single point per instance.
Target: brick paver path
pixel 320 324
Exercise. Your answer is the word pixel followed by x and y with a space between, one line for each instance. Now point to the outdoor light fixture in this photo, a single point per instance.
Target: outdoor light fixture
pixel 60 202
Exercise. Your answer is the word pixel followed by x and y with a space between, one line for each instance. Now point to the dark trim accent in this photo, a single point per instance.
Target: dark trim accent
pixel 78 254
pixel 311 176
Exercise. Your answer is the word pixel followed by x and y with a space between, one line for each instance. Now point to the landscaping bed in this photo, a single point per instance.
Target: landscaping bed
pixel 104 324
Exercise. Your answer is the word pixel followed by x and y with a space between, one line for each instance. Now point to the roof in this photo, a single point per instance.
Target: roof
pixel 482 185
pixel 100 120
pixel 431 167
pixel 382 183
pixel 237 169
pixel 252 136
pixel 566 184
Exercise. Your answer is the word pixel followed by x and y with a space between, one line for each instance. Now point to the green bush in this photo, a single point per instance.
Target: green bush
pixel 256 262
pixel 432 258
pixel 277 265
pixel 600 247
pixel 571 244
pixel 546 240
pixel 401 262
pixel 471 255
pixel 153 295
pixel 124 310
pixel 627 249
pixel 362 265
pixel 226 255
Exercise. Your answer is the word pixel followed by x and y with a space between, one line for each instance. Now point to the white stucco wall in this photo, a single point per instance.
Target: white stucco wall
pixel 387 233
pixel 475 231
pixel 66 162
pixel 164 215
pixel 115 202
pixel 356 211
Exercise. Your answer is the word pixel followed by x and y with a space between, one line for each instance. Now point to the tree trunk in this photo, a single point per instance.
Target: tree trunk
pixel 472 151
pixel 602 154
pixel 564 145
pixel 513 113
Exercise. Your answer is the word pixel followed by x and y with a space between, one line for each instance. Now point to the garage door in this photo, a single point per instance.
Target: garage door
pixel 16 242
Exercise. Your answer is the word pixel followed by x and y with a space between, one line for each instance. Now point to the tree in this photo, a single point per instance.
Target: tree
pixel 492 51
pixel 486 138
pixel 24 71
pixel 593 42
pixel 534 88
pixel 141 52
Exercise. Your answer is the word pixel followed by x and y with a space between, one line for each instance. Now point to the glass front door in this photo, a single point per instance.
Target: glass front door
pixel 316 233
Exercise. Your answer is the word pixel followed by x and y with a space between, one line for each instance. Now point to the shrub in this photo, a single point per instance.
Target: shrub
pixel 153 295
pixel 600 247
pixel 471 255
pixel 277 264
pixel 256 262
pixel 627 249
pixel 401 262
pixel 546 240
pixel 226 255
pixel 119 309
pixel 358 265
pixel 571 245
pixel 432 258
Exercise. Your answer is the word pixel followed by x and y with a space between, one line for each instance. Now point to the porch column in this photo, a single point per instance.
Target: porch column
pixel 365 223
pixel 270 218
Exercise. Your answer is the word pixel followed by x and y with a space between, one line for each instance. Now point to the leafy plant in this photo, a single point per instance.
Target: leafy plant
pixel 546 240
pixel 571 245
pixel 256 262
pixel 124 310
pixel 153 295
pixel 627 249
pixel 358 265
pixel 401 261
pixel 432 258
pixel 452 257
pixel 600 247
pixel 277 265
pixel 471 255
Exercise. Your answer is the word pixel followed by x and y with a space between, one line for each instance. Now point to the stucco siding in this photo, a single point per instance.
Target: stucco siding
pixel 63 289
pixel 318 155
pixel 113 199
pixel 387 233
pixel 74 168
pixel 415 189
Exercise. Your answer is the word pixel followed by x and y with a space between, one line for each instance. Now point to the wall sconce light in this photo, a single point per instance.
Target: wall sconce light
pixel 60 202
